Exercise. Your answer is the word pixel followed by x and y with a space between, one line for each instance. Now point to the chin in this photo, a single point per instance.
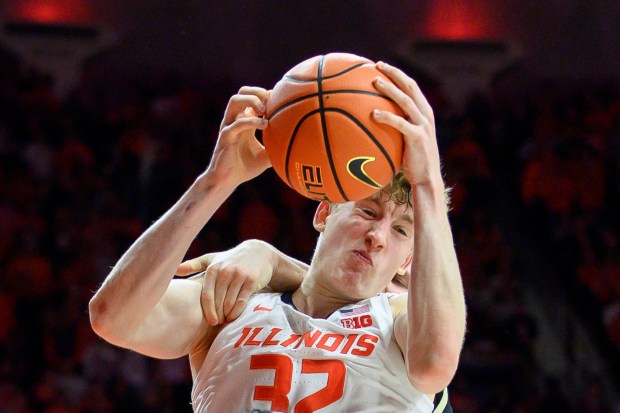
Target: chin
pixel 358 292
pixel 352 288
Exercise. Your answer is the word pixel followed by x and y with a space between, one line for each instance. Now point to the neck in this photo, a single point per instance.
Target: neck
pixel 316 300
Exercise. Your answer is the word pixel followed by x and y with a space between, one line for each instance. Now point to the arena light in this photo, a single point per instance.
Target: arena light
pixel 50 11
pixel 461 20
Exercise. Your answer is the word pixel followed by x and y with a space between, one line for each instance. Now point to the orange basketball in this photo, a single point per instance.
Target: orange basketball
pixel 321 138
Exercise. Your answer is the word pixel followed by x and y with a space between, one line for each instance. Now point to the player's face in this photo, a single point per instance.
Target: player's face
pixel 363 244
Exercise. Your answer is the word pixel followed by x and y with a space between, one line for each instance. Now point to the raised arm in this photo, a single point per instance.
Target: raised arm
pixel 139 306
pixel 431 327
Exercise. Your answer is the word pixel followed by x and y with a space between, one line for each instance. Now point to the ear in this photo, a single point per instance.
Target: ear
pixel 320 216
pixel 406 264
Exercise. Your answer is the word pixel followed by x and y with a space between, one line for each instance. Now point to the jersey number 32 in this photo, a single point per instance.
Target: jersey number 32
pixel 283 366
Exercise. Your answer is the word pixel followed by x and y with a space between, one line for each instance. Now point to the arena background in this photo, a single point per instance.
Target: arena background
pixel 109 110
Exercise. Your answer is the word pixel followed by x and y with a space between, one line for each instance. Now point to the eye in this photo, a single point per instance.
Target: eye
pixel 401 230
pixel 369 212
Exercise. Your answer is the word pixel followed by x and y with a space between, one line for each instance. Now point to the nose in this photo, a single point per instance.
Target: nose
pixel 376 237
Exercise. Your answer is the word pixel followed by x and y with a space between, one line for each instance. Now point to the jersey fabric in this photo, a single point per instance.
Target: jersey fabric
pixel 275 358
pixel 441 402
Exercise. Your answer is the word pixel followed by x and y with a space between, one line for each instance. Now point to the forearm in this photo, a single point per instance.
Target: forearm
pixel 140 278
pixel 436 305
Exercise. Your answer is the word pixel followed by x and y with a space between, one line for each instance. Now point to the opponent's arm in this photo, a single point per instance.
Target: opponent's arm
pixel 431 330
pixel 138 306
pixel 230 277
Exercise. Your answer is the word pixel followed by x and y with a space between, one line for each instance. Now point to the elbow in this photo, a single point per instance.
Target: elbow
pixel 96 313
pixel 100 321
pixel 434 372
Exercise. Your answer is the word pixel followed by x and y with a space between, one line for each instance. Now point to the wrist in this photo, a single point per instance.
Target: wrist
pixel 209 181
pixel 268 252
pixel 432 193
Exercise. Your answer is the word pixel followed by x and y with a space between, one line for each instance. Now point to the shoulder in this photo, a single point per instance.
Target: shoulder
pixel 398 304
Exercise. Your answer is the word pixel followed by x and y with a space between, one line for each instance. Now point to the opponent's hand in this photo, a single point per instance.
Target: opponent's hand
pixel 421 163
pixel 238 156
pixel 230 277
pixel 195 265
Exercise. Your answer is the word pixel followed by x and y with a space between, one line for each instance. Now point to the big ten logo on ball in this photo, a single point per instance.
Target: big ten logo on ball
pixel 357 322
pixel 310 178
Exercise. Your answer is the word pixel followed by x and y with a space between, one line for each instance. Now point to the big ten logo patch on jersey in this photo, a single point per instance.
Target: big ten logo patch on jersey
pixel 356 317
pixel 357 322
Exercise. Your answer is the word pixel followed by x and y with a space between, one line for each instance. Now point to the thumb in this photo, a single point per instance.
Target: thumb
pixel 259 153
pixel 263 158
pixel 189 267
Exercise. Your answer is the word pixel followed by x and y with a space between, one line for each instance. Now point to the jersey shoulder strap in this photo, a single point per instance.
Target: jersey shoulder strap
pixel 441 402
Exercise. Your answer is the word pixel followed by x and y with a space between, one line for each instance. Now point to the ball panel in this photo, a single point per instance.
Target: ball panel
pixel 282 132
pixel 285 92
pixel 387 139
pixel 309 169
pixel 306 70
pixel 335 63
pixel 331 64
pixel 358 76
pixel 374 139
pixel 360 165
pixel 359 80
pixel 361 109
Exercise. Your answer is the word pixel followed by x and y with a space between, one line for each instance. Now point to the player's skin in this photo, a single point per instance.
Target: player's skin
pixel 230 277
pixel 361 245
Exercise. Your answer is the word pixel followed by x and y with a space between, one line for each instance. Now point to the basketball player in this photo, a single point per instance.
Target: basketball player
pixel 335 343
pixel 253 264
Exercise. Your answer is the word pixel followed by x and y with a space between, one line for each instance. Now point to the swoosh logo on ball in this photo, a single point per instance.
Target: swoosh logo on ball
pixel 355 167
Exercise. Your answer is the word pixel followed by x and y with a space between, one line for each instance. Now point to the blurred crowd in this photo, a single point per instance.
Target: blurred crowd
pixel 81 177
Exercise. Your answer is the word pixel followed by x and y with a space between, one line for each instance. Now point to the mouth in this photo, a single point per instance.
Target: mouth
pixel 363 256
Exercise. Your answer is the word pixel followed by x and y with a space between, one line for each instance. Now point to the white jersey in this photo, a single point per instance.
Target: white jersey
pixel 275 358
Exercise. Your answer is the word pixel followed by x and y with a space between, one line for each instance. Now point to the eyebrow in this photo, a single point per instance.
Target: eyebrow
pixel 407 218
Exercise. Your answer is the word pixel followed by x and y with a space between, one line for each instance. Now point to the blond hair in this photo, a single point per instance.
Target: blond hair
pixel 398 190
